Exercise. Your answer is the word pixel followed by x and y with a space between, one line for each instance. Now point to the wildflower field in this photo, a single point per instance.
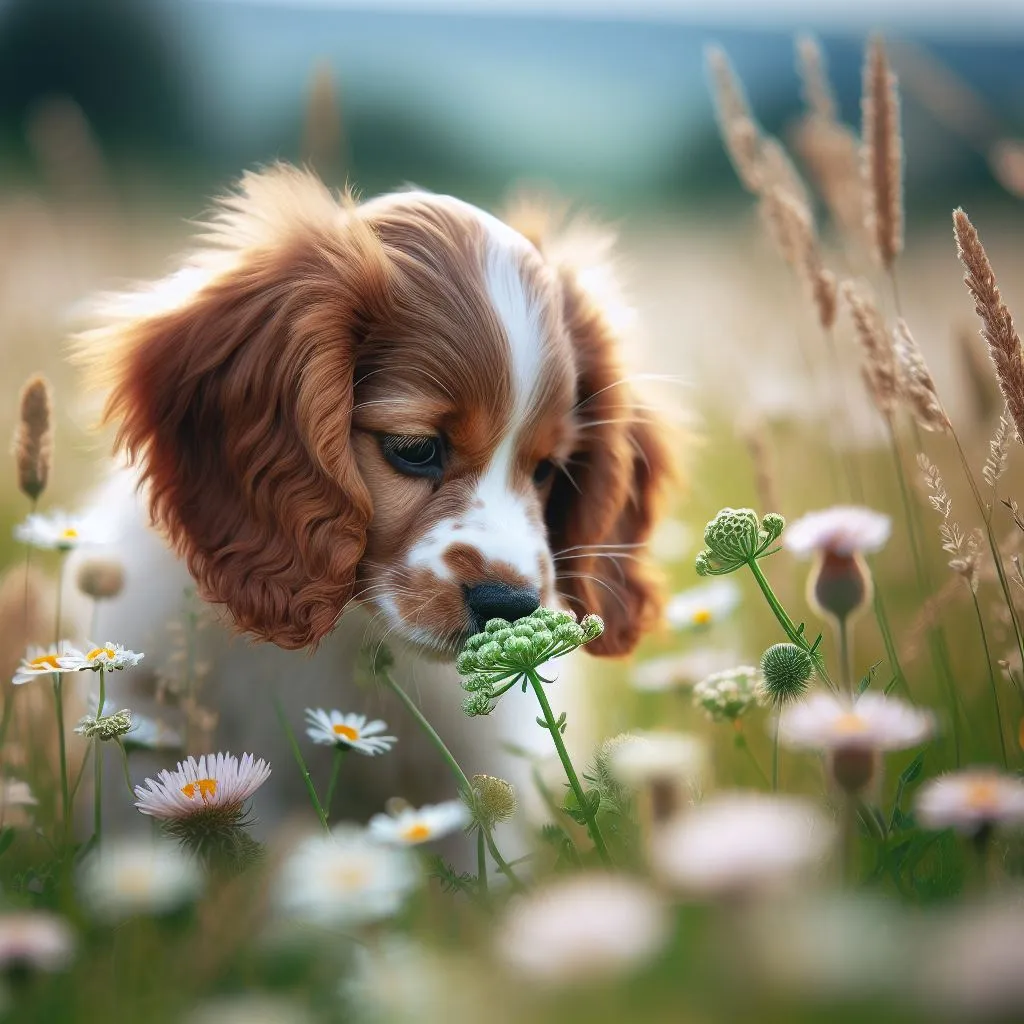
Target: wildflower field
pixel 801 800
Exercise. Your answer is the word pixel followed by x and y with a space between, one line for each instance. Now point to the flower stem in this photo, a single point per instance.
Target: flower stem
pixel 570 772
pixel 58 698
pixel 127 773
pixel 97 763
pixel 845 654
pixel 884 627
pixel 991 676
pixel 788 626
pixel 481 860
pixel 300 761
pixel 742 744
pixel 448 757
pixel 339 757
pixel 775 757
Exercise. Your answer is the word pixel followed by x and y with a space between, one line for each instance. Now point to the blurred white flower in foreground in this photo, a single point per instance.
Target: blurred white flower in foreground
pixel 332 728
pixel 411 826
pixel 843 530
pixel 728 695
pixel 216 785
pixel 344 879
pixel 670 541
pixel 250 1009
pixel 138 877
pixel 36 940
pixel 678 671
pixel 642 757
pixel 736 842
pixel 703 605
pixel 971 800
pixel 584 928
pixel 56 531
pixel 824 722
pixel 43 661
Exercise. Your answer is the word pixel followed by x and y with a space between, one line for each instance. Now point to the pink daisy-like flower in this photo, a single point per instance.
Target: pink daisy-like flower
pixel 217 785
pixel 843 530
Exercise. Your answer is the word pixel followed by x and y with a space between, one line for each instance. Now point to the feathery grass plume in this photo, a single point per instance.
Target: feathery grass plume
pixel 917 386
pixel 998 452
pixel 779 172
pixel 739 130
pixel 996 322
pixel 928 618
pixel 33 437
pixel 975 370
pixel 964 547
pixel 879 367
pixel 323 136
pixel 882 155
pixel 831 153
pixel 817 89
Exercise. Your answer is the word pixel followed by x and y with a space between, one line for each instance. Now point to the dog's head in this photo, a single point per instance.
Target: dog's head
pixel 403 403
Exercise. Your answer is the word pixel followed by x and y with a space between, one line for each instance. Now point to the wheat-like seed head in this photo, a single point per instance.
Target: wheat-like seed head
pixel 916 384
pixel 817 89
pixel 964 547
pixel 996 322
pixel 998 452
pixel 736 122
pixel 882 155
pixel 879 365
pixel 33 438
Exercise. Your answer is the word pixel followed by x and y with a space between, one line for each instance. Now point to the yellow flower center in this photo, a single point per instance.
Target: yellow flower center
pixel 350 876
pixel 416 833
pixel 206 788
pixel 47 660
pixel 701 617
pixel 69 534
pixel 135 881
pixel 346 732
pixel 850 724
pixel 97 651
pixel 981 794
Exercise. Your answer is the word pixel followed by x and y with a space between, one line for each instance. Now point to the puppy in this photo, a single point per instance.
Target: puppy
pixel 404 406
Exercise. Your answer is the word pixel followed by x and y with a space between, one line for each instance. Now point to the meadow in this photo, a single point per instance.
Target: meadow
pixel 800 800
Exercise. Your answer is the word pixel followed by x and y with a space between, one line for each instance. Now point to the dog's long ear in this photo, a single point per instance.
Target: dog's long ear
pixel 231 387
pixel 600 514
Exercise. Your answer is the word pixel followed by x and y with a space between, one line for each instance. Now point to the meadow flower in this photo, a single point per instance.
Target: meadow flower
pixel 736 537
pixel 703 605
pixel 111 726
pixel 143 733
pixel 351 731
pixel 42 661
pixel 728 695
pixel 215 787
pixel 344 879
pixel 971 800
pixel 109 656
pixel 56 531
pixel 640 758
pixel 853 733
pixel 786 670
pixel 581 929
pixel 739 842
pixel 35 940
pixel 679 671
pixel 494 800
pixel 133 877
pixel 411 826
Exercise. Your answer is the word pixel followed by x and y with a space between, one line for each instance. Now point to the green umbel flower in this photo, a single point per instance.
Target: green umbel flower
pixel 787 670
pixel 736 537
pixel 493 661
pixel 105 727
pixel 726 696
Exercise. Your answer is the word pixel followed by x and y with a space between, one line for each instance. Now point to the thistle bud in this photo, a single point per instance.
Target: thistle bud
pixel 787 670
pixel 494 800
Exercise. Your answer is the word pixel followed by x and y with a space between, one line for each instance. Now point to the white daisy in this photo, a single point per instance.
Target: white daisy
pixel 36 940
pixel 344 879
pixel 670 541
pixel 411 826
pixel 843 530
pixel 42 661
pixel 109 656
pixel 332 728
pixel 56 531
pixel 640 758
pixel 217 784
pixel 584 928
pixel 703 605
pixel 679 671
pixel 138 877
pixel 726 696
pixel 873 722
pixel 971 800
pixel 740 841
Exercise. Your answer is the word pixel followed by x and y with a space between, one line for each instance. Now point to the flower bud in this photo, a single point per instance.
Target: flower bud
pixel 592 626
pixel 523 629
pixel 840 585
pixel 100 578
pixel 494 800
pixel 105 727
pixel 493 625
pixel 734 535
pixel 477 704
pixel 853 768
pixel 787 670
pixel 773 524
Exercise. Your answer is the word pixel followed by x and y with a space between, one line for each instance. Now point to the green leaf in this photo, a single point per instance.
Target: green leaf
pixel 912 771
pixel 6 838
pixel 866 681
pixel 577 813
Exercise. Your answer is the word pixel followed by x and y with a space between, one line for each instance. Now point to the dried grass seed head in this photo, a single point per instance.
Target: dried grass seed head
pixel 33 437
pixel 879 367
pixel 917 387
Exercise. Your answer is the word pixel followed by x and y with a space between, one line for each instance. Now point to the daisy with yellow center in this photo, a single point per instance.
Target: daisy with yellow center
pixel 40 661
pixel 217 785
pixel 704 605
pixel 825 723
pixel 343 879
pixel 55 532
pixel 109 656
pixel 971 800
pixel 412 826
pixel 352 732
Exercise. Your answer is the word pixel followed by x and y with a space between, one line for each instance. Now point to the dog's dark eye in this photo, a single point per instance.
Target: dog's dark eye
pixel 542 474
pixel 414 456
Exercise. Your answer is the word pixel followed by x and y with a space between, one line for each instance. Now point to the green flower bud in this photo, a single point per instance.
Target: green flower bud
pixel 494 800
pixel 542 639
pixel 489 654
pixel 773 524
pixel 523 628
pixel 787 670
pixel 592 626
pixel 466 662
pixel 476 681
pixel 703 563
pixel 734 535
pixel 500 636
pixel 107 727
pixel 493 625
pixel 569 633
pixel 475 642
pixel 519 646
pixel 477 704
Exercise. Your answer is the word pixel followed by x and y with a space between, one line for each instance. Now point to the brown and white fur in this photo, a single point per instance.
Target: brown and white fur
pixel 252 390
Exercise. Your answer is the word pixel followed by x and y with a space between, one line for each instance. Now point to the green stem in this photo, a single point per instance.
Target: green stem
pixel 465 786
pixel 848 839
pixel 991 676
pixel 300 761
pixel 788 626
pixel 481 861
pixel 775 756
pixel 845 655
pixel 127 772
pixel 885 629
pixel 339 757
pixel 97 763
pixel 58 697
pixel 741 742
pixel 81 771
pixel 570 772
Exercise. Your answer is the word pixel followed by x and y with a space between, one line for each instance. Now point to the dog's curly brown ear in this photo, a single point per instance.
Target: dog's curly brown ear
pixel 231 387
pixel 600 514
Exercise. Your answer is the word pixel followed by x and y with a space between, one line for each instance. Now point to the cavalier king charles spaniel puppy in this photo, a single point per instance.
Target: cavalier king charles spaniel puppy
pixel 403 405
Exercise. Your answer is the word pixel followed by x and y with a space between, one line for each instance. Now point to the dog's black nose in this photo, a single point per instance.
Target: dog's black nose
pixel 500 601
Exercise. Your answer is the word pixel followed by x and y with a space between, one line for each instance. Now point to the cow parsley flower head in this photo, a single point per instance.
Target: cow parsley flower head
pixel 736 537
pixel 727 696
